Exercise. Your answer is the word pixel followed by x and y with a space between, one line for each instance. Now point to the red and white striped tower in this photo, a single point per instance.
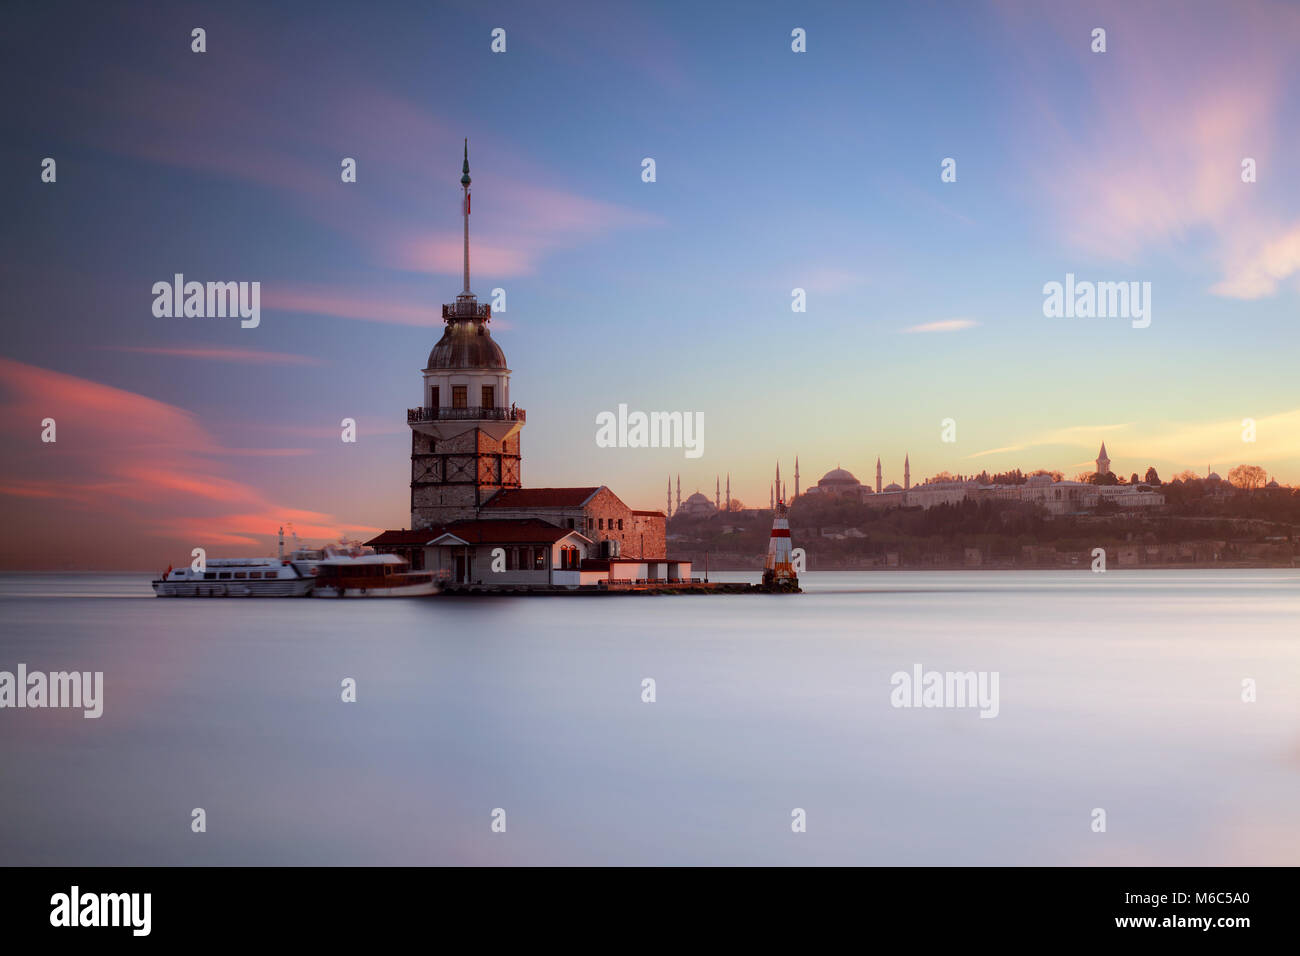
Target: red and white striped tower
pixel 778 573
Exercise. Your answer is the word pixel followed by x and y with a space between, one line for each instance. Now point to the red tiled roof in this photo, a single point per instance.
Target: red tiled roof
pixel 504 531
pixel 653 514
pixel 541 497
pixel 403 537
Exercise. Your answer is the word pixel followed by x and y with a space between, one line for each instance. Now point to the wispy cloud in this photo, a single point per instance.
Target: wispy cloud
pixel 1149 159
pixel 945 325
pixel 1277 441
pixel 240 356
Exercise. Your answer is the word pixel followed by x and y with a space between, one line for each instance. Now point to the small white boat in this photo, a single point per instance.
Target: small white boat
pixel 235 577
pixel 370 575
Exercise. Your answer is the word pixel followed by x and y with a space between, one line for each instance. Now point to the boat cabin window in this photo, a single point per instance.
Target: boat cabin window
pixel 241 574
pixel 254 574
pixel 224 576
pixel 210 576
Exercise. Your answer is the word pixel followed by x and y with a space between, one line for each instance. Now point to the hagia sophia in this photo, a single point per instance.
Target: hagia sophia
pixel 1057 497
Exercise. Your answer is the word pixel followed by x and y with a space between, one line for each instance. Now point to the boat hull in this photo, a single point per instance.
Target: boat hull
pixel 401 590
pixel 276 587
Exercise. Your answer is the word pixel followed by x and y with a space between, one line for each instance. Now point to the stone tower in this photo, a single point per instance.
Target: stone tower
pixel 1103 463
pixel 465 435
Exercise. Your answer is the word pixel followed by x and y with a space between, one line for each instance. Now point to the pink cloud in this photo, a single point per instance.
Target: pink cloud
pixel 406 156
pixel 1151 159
pixel 123 465
pixel 348 304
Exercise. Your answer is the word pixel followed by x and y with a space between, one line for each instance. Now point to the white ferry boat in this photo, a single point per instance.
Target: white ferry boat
pixel 236 577
pixel 370 575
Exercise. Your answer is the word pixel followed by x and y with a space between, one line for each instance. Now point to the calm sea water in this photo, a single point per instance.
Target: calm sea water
pixel 1119 691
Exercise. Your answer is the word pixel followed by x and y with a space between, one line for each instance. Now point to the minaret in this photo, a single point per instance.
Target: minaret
pixel 879 483
pixel 907 473
pixel 1103 463
pixel 728 492
pixel 668 505
pixel 465 434
pixel 679 492
pixel 717 492
pixel 783 490
pixel 780 497
pixel 796 476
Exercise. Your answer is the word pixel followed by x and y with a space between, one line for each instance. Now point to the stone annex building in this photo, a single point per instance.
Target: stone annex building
pixel 467 494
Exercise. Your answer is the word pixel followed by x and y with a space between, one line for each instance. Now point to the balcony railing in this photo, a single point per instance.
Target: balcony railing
pixel 466 310
pixel 475 414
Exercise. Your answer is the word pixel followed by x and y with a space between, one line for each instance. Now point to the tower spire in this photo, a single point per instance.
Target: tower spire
pixel 464 185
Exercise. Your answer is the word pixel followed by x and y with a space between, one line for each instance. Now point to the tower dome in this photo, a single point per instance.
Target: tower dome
pixel 466 344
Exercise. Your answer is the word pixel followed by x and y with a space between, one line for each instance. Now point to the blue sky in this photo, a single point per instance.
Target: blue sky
pixel 775 170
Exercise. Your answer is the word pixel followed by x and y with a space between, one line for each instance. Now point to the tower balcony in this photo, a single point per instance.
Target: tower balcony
pixel 472 414
pixel 466 308
pixel 443 423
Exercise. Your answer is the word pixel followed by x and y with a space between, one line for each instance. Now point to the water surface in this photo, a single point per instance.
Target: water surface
pixel 1119 691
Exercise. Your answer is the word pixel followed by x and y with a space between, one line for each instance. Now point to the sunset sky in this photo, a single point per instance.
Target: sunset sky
pixel 775 170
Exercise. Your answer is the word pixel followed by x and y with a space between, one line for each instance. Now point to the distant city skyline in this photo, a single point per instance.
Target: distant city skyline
pixel 775 171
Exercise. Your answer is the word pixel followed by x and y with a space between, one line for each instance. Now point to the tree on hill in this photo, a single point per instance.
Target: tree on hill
pixel 1152 478
pixel 1186 476
pixel 1249 477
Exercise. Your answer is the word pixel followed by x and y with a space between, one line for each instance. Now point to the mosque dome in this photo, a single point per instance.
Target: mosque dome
pixel 838 476
pixel 466 344
pixel 697 505
pixel 1039 480
pixel 1214 476
pixel 893 486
